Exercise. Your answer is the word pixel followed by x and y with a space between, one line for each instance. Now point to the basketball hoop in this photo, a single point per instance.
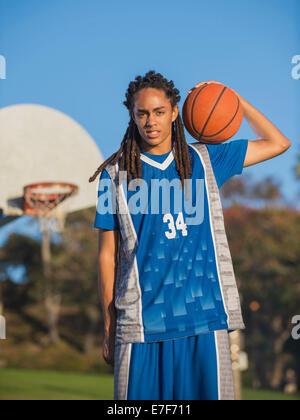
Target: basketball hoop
pixel 42 200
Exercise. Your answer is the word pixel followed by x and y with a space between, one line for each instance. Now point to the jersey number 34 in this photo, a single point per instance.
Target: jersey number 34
pixel 180 225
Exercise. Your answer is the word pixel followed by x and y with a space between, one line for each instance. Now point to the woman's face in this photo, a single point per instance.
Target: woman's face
pixel 154 115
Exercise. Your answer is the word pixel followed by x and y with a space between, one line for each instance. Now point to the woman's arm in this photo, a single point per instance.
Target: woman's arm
pixel 107 264
pixel 271 142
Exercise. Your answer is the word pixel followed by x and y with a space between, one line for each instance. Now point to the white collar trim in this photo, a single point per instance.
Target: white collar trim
pixel 158 165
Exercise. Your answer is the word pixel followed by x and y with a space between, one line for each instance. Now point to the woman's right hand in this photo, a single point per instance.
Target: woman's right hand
pixel 109 349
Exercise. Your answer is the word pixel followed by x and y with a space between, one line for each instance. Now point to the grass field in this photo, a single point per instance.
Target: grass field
pixel 48 385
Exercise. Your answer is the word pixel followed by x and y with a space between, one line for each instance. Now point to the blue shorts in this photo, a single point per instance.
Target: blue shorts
pixel 190 368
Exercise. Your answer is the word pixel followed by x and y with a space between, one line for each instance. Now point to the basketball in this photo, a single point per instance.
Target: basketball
pixel 212 113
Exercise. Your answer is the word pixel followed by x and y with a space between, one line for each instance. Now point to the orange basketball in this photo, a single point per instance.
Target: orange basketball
pixel 212 113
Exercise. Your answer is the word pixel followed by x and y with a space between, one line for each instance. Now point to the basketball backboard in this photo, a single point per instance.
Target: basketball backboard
pixel 41 144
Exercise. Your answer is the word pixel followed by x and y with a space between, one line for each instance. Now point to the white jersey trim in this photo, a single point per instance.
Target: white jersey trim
pixel 212 232
pixel 161 166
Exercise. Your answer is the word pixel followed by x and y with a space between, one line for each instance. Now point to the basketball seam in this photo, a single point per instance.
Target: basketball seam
pixel 192 110
pixel 211 112
pixel 237 109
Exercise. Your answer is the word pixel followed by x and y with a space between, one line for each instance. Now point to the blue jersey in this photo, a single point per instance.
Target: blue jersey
pixel 175 258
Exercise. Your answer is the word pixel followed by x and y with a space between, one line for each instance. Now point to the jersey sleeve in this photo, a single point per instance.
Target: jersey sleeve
pixel 227 159
pixel 106 217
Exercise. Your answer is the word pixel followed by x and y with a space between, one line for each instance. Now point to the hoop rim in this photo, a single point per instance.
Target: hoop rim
pixel 44 197
pixel 49 184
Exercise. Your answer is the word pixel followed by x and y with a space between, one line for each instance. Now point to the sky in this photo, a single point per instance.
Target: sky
pixel 79 56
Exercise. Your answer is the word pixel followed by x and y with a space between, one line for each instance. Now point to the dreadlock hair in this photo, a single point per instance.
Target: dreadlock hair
pixel 130 146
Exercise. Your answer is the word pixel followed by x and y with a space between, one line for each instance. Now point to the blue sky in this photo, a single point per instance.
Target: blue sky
pixel 78 56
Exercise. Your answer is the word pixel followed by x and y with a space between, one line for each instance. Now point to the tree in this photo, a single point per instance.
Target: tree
pixel 265 246
pixel 77 268
pixel 69 291
pixel 244 190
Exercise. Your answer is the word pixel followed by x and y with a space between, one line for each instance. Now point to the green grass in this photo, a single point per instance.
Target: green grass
pixel 48 385
pixel 16 384
pixel 264 395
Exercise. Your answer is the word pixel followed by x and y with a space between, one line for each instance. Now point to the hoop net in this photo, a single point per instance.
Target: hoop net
pixel 42 200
